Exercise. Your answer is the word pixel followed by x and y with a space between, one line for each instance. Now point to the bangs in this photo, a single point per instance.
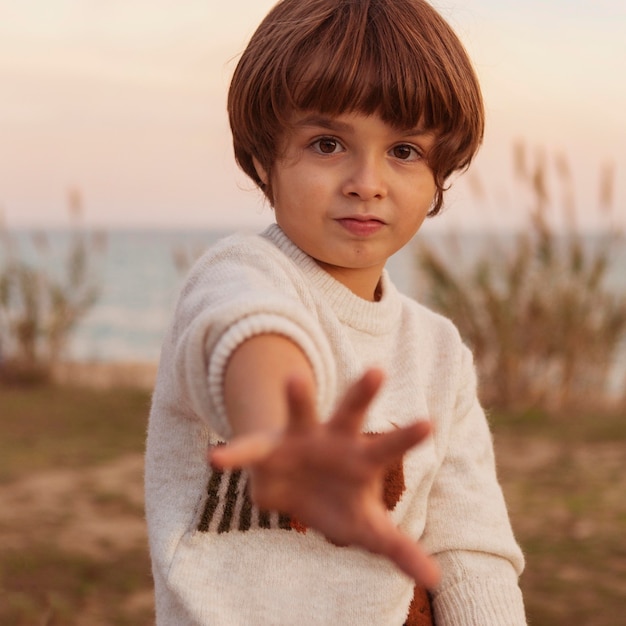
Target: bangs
pixel 359 60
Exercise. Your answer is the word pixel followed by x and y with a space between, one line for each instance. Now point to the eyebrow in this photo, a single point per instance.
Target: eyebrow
pixel 335 125
pixel 417 132
pixel 323 121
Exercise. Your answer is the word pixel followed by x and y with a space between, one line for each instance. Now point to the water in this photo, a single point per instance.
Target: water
pixel 139 282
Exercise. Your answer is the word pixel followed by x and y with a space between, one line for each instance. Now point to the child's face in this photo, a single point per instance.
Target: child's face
pixel 350 191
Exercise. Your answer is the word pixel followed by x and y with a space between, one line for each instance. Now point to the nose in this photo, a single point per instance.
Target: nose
pixel 365 179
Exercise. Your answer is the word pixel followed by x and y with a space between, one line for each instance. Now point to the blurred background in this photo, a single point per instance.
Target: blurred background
pixel 116 170
pixel 126 100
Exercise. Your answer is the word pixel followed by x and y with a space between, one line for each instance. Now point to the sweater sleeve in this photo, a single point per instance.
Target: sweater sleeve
pixel 467 527
pixel 231 296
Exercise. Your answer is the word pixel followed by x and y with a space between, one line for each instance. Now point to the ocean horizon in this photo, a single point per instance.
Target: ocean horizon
pixel 141 271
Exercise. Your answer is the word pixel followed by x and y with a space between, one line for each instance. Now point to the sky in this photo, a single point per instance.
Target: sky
pixel 125 101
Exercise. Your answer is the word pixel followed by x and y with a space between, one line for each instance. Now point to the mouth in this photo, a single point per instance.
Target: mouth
pixel 361 225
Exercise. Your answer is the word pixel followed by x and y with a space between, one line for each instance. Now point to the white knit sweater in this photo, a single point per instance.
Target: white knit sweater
pixel 219 561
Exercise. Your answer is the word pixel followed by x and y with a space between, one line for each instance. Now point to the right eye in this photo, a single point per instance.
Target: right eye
pixel 327 145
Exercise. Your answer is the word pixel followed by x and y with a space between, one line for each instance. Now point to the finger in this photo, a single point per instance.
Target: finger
pixel 301 405
pixel 404 552
pixel 409 557
pixel 395 443
pixel 243 451
pixel 350 413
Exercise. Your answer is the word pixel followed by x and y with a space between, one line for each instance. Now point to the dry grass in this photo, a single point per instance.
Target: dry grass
pixel 43 295
pixel 565 484
pixel 536 306
pixel 73 546
pixel 72 534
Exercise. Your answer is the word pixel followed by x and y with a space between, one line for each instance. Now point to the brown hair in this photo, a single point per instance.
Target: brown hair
pixel 396 58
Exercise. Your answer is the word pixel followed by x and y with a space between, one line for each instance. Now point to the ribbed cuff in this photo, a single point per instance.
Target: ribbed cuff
pixel 490 602
pixel 244 329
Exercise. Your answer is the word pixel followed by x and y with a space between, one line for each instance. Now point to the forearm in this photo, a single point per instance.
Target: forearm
pixel 255 381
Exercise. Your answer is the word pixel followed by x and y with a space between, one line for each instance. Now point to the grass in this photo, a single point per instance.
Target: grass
pixel 65 427
pixel 47 583
pixel 58 567
pixel 571 427
pixel 564 481
pixel 563 478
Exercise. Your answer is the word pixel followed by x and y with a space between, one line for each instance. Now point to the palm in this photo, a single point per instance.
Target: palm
pixel 329 476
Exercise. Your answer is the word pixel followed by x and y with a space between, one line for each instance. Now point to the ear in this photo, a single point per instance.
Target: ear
pixel 260 170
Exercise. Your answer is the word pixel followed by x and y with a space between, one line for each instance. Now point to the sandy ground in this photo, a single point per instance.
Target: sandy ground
pixel 47 497
pixel 107 375
pixel 96 512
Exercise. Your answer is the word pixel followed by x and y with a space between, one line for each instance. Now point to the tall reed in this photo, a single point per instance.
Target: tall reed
pixel 534 306
pixel 42 300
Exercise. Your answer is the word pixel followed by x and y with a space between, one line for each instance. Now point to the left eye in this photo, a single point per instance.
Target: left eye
pixel 405 152
pixel 327 145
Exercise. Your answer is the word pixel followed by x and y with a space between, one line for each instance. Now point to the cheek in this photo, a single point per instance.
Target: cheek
pixel 427 192
pixel 301 191
pixel 427 182
pixel 419 193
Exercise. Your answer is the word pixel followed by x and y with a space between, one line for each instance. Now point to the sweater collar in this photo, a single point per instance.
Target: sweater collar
pixel 371 317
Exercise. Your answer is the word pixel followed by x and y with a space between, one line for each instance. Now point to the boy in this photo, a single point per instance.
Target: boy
pixel 330 492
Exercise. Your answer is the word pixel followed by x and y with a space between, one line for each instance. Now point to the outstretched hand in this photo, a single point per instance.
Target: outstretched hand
pixel 329 476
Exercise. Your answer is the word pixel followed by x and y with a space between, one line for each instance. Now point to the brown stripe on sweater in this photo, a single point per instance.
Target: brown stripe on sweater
pixel 212 500
pixel 230 502
pixel 284 521
pixel 265 520
pixel 245 516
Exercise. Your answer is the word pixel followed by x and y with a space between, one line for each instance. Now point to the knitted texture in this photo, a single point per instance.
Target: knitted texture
pixel 218 560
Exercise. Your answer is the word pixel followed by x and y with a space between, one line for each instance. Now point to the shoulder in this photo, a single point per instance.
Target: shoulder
pixel 268 253
pixel 238 263
pixel 238 249
pixel 429 323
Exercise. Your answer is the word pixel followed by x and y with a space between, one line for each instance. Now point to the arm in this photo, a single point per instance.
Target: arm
pixel 255 380
pixel 327 475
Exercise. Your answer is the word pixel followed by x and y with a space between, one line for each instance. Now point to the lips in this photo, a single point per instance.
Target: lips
pixel 361 226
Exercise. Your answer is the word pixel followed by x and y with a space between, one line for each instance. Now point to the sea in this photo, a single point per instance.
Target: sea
pixel 140 272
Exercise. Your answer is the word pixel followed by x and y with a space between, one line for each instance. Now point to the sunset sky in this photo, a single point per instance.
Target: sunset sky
pixel 125 100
